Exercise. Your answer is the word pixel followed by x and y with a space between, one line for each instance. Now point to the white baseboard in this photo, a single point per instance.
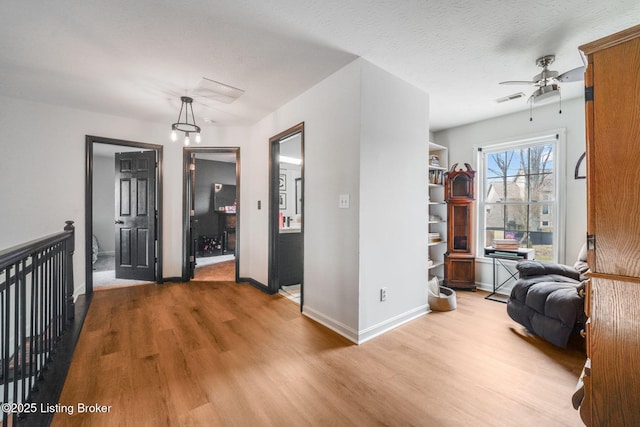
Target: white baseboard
pixel 360 337
pixel 504 290
pixel 78 290
pixel 484 272
pixel 342 329
pixel 385 326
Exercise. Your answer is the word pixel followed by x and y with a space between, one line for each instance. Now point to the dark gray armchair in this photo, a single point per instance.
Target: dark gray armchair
pixel 546 299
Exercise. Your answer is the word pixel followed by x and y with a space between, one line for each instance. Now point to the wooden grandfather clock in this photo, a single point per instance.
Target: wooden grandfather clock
pixel 460 260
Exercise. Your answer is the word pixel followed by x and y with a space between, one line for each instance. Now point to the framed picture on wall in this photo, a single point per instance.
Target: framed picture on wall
pixel 283 182
pixel 283 201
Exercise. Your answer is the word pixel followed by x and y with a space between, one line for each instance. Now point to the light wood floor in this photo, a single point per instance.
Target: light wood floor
pixel 207 354
pixel 222 271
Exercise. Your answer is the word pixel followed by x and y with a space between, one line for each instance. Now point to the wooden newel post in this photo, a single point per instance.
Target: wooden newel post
pixel 69 287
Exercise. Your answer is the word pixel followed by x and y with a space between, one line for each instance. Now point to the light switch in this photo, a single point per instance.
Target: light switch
pixel 344 201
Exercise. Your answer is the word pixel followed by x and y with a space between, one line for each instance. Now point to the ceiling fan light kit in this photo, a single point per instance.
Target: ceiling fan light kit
pixel 545 93
pixel 186 126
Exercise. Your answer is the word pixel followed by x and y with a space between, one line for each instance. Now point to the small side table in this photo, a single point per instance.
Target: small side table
pixel 500 258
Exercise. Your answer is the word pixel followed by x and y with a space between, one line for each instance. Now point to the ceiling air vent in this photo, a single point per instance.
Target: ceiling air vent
pixel 510 97
pixel 217 91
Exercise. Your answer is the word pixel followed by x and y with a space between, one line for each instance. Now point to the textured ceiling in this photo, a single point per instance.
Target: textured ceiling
pixel 135 58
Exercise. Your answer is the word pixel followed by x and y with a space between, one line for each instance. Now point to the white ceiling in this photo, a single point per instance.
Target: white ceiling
pixel 135 58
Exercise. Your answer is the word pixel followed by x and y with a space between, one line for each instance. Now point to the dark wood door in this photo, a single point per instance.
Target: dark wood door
pixel 135 215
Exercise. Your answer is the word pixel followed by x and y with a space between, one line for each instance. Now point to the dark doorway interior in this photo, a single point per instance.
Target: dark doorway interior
pixel 212 194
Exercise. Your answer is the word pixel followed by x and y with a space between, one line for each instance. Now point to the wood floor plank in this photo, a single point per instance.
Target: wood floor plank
pixel 220 353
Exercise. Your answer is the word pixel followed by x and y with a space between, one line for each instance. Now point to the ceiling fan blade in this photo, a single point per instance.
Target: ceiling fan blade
pixel 517 82
pixel 575 75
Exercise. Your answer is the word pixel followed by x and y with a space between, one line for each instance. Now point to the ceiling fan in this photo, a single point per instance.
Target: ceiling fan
pixel 547 81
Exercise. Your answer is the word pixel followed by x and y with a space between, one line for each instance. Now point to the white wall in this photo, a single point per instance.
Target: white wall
pixel 393 201
pixel 42 173
pixel 331 113
pixel 461 141
pixel 365 131
pixel 103 203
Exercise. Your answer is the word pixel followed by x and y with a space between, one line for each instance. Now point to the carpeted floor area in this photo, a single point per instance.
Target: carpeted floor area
pixel 105 262
pixel 104 274
pixel 291 292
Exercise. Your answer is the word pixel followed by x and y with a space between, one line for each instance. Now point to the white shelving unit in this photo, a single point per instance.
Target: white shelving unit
pixel 438 162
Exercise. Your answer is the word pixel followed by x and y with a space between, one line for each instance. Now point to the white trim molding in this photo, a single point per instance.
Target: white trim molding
pixel 360 337
pixel 342 329
pixel 392 323
pixel 559 160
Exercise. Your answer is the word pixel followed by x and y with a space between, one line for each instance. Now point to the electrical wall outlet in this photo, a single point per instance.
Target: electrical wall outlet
pixel 383 294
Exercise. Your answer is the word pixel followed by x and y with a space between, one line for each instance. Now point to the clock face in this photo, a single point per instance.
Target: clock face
pixel 461 186
pixel 459 183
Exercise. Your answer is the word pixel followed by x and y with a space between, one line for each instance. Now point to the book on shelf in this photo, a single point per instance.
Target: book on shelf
pixel 436 177
pixel 434 237
pixel 506 244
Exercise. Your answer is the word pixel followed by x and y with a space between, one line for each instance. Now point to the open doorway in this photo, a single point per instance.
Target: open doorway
pixel 211 213
pixel 286 214
pixel 123 213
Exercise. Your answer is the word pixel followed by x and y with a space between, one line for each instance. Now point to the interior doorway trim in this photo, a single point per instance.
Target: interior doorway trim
pixel 186 208
pixel 274 210
pixel 90 140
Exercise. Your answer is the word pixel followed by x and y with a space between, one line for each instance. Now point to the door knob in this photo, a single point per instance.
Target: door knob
pixel 117 221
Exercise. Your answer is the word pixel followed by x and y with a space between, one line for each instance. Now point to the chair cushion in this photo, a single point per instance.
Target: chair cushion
pixel 548 306
pixel 531 268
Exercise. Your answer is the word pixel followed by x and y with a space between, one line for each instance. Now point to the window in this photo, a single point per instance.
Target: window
pixel 518 194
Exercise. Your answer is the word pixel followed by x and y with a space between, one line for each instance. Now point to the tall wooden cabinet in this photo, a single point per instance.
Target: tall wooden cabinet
pixel 612 373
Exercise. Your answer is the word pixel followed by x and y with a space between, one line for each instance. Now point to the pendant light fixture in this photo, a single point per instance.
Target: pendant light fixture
pixel 183 125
